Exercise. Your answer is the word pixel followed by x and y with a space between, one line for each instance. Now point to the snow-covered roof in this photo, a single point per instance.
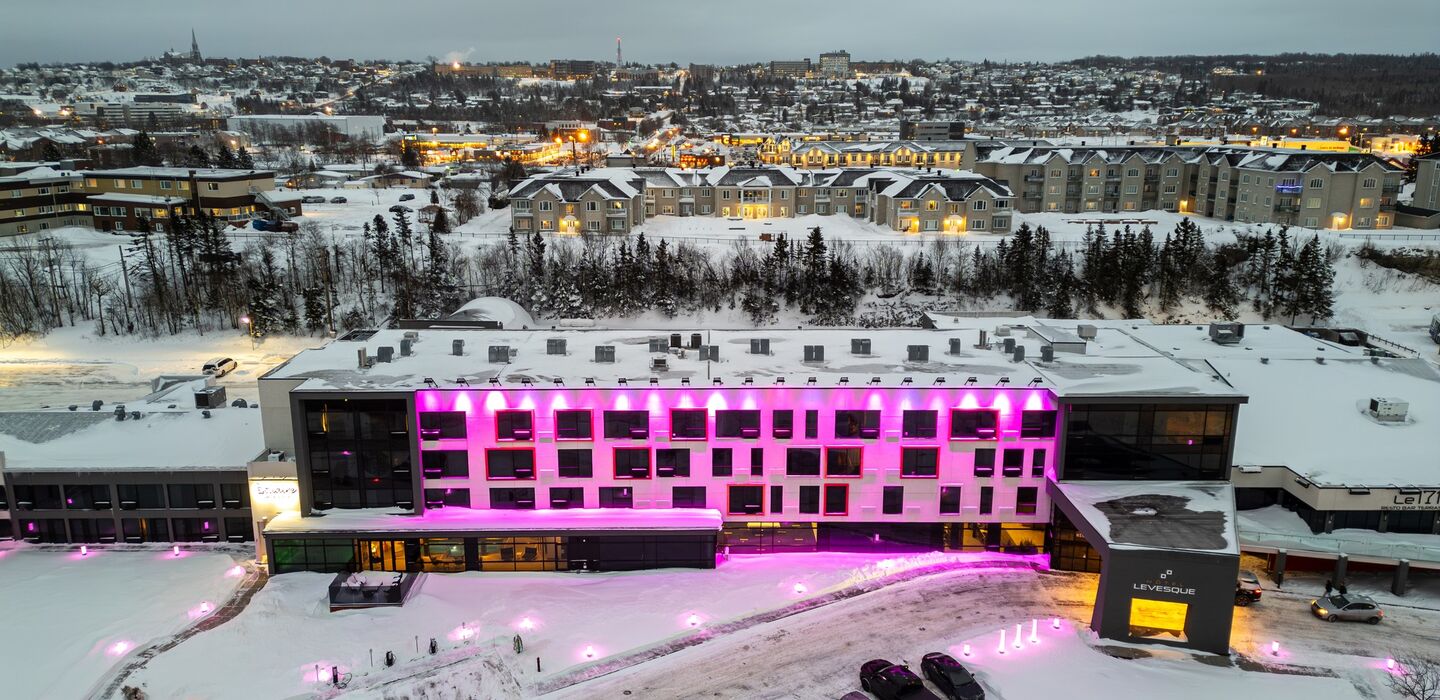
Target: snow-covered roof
pixel 1183 515
pixel 498 309
pixel 136 198
pixel 453 519
pixel 158 440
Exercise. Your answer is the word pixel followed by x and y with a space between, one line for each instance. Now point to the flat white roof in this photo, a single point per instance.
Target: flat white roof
pixel 1312 418
pixel 1184 515
pixel 161 441
pixel 451 519
pixel 1115 363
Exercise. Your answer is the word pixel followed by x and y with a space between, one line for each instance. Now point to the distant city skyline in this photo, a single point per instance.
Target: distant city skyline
pixel 742 31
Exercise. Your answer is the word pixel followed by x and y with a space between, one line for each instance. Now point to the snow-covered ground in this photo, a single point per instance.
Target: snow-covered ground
pixel 68 619
pixel 287 629
pixel 76 365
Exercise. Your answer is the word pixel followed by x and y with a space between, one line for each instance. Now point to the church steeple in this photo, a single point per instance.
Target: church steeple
pixel 194 46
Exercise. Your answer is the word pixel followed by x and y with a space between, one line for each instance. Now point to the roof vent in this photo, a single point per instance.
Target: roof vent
pixel 1227 333
pixel 917 353
pixel 658 345
pixel 1019 355
pixel 675 340
pixel 499 353
pixel 1009 345
pixel 384 353
pixel 457 347
pixel 407 347
pixel 859 346
pixel 604 353
pixel 956 346
pixel 1087 331
pixel 1047 353
pixel 362 360
pixel 983 342
pixel 695 340
pixel 1388 409
pixel 814 353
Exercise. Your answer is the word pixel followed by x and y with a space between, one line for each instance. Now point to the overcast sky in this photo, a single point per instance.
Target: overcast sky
pixel 719 31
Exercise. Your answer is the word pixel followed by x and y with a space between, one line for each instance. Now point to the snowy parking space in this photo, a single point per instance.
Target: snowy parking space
pixel 70 618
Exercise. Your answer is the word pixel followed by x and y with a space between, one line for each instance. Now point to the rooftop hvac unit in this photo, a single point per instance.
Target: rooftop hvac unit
pixel 956 346
pixel 984 341
pixel 814 353
pixel 457 347
pixel 604 353
pixel 120 412
pixel 384 353
pixel 362 360
pixel 1087 331
pixel 659 364
pixel 658 345
pixel 917 353
pixel 1389 409
pixel 210 397
pixel 1047 353
pixel 1019 355
pixel 709 353
pixel 675 340
pixel 499 353
pixel 412 336
pixel 1227 333
pixel 759 346
pixel 859 346
pixel 1008 345
pixel 554 346
pixel 1002 331
pixel 695 340
pixel 407 347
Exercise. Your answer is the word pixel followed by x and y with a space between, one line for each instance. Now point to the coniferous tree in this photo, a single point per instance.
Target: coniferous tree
pixel 243 159
pixel 143 150
pixel 1221 296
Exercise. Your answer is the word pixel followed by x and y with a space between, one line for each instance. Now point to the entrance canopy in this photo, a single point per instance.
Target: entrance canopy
pixel 460 521
pixel 1178 515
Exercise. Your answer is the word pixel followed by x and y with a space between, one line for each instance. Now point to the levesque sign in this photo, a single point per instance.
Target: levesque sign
pixel 1163 585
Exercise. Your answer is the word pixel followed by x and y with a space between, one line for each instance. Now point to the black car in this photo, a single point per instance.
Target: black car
pixel 893 682
pixel 406 197
pixel 953 679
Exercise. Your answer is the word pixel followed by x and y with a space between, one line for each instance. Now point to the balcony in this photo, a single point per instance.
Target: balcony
pixel 1034 178
pixel 1288 188
pixel 370 589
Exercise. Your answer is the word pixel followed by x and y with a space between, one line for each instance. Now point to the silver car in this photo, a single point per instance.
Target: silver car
pixel 1343 606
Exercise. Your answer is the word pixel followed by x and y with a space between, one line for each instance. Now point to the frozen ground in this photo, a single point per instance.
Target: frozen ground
pixel 288 630
pixel 75 365
pixel 68 619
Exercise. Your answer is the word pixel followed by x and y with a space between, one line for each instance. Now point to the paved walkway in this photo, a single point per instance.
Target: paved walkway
pixel 113 682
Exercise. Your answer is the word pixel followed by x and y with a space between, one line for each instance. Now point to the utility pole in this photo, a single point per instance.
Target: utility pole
pixel 129 300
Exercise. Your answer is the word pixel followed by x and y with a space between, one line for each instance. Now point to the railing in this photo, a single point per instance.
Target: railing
pixel 359 592
pixel 1330 544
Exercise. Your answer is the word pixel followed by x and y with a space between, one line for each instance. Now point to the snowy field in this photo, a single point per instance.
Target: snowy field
pixel 566 619
pixel 69 619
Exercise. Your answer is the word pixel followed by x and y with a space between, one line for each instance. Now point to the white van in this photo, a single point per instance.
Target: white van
pixel 220 367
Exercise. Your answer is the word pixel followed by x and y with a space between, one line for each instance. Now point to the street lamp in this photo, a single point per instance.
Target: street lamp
pixel 249 329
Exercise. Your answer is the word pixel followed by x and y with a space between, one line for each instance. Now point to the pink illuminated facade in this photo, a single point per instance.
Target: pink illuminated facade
pixel 908 454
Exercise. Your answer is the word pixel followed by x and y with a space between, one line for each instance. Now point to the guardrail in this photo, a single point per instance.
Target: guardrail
pixel 1332 545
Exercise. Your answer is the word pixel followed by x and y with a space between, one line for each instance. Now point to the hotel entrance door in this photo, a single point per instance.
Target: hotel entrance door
pixel 380 555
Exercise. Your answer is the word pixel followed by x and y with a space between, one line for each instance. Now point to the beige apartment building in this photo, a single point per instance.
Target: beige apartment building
pixel 909 201
pixel 225 193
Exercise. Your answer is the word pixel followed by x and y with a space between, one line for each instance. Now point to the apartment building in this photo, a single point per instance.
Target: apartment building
pixel 572 69
pixel 931 130
pixel 835 65
pixel 124 195
pixel 40 198
pixel 902 200
pixel 957 155
pixel 791 69
pixel 606 201
pixel 1427 182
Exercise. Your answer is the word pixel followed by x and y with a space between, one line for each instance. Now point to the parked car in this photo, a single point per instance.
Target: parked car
pixel 399 208
pixel 952 678
pixel 338 200
pixel 407 197
pixel 1344 606
pixel 219 367
pixel 889 681
pixel 312 199
pixel 1247 588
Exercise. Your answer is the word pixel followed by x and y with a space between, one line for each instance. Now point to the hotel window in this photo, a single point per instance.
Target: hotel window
pixel 1037 462
pixel 919 462
pixel 777 499
pixel 514 425
pixel 739 424
pixel 192 496
pixel 509 464
pixel 632 463
pixel 837 499
pixel 893 500
pixel 673 461
pixel 441 425
pixel 687 497
pixel 139 496
pixel 949 500
pixel 87 497
pixel 745 500
pixel 842 461
pixel 687 423
pixel 812 424
pixel 1012 462
pixel 973 425
pixel 985 462
pixel 810 500
pixel 857 424
pixel 757 461
pixel 442 464
pixel 574 464
pixel 564 497
pixel 512 499
pixel 573 425
pixel 918 424
pixel 627 425
pixel 987 500
pixel 722 461
pixel 617 497
pixel 1037 424
pixel 802 461
pixel 1027 500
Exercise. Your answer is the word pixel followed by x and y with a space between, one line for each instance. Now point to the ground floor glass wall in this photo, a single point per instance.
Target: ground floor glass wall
pixel 498 553
pixel 767 537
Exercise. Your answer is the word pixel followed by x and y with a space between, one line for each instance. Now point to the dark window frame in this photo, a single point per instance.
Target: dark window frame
pixel 679 467
pixel 837 451
pixel 919 424
pixel 782 424
pixel 951 493
pixel 514 425
pixel 865 424
pixel 515 470
pixel 631 451
pixel 626 426
pixel 910 470
pixel 791 468
pixel 582 469
pixel 892 500
pixel 961 427
pixel 825 499
pixel 758 505
pixel 568 421
pixel 742 424
pixel 682 424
